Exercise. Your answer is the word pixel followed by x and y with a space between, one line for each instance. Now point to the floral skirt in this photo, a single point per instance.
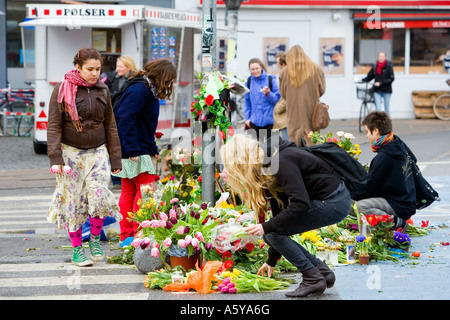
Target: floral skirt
pixel 84 192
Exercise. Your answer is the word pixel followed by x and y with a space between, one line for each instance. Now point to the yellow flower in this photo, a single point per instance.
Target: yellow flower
pixel 139 202
pixel 236 271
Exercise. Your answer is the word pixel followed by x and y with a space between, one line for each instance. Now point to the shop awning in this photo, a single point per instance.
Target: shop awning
pixel 403 20
pixel 78 23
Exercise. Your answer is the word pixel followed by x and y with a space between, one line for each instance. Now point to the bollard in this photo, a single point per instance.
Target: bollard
pixel 5 122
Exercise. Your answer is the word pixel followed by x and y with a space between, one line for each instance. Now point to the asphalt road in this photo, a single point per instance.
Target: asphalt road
pixel 34 264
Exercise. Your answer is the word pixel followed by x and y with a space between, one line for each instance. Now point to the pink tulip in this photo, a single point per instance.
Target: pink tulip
pixel 155 252
pixel 199 236
pixel 172 213
pixel 54 169
pixel 180 230
pixel 155 245
pixel 162 223
pixel 136 242
pixel 194 242
pixel 154 223
pixel 167 243
pixel 182 243
pixel 146 224
pixel 188 239
pixel 173 200
pixel 163 216
pixel 67 169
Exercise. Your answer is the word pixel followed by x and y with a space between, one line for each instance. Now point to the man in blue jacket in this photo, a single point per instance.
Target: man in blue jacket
pixel 261 100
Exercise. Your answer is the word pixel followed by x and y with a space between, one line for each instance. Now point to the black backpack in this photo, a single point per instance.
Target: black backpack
pixel 115 97
pixel 425 194
pixel 270 82
pixel 348 168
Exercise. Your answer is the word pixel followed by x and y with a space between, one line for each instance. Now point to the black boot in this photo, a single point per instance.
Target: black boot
pixel 327 273
pixel 313 282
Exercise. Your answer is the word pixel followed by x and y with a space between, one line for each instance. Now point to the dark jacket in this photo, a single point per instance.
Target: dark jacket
pixel 97 119
pixel 295 164
pixel 137 115
pixel 385 78
pixel 390 178
pixel 115 82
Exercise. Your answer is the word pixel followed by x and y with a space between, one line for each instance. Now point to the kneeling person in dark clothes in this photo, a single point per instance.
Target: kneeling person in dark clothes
pixel 390 187
pixel 300 200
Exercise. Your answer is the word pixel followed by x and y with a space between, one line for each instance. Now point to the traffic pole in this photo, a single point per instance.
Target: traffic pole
pixel 232 21
pixel 208 130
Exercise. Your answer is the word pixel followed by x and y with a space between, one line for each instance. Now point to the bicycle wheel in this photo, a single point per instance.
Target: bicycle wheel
pixel 441 107
pixel 362 115
pixel 25 125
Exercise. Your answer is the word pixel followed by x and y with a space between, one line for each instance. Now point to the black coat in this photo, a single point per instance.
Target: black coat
pixel 390 178
pixel 385 78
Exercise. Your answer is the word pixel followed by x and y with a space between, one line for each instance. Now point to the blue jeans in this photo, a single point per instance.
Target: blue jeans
pixel 322 213
pixel 378 96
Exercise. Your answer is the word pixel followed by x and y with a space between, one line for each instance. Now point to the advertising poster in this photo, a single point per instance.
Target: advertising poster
pixel 332 55
pixel 271 47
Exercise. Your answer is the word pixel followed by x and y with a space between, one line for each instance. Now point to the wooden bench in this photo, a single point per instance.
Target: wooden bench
pixel 423 102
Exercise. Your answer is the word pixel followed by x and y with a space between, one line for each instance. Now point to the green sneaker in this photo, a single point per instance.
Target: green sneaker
pixel 96 248
pixel 79 259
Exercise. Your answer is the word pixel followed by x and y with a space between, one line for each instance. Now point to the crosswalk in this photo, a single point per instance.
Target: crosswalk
pixel 45 272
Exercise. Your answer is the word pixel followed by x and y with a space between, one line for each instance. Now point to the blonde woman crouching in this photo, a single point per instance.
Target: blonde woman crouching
pixel 304 192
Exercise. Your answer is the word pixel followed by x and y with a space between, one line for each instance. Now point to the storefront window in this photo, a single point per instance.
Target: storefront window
pixel 15 15
pixel 428 49
pixel 164 43
pixel 368 42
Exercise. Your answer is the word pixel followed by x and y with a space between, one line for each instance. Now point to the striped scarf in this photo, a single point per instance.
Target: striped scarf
pixel 67 94
pixel 381 141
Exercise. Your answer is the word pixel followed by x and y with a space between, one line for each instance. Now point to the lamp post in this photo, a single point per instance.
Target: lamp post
pixel 208 132
pixel 232 8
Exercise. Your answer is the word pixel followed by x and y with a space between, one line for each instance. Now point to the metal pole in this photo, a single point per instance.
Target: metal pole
pixel 3 34
pixel 208 131
pixel 232 8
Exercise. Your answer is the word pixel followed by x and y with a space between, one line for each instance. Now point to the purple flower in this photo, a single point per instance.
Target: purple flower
pixel 204 206
pixel 360 238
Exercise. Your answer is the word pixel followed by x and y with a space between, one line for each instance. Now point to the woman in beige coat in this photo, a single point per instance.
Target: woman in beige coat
pixel 302 82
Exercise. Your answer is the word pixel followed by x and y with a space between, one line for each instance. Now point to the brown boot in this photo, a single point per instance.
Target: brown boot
pixel 313 282
pixel 327 273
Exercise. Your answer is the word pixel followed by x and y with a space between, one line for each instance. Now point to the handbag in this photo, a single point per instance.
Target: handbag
pixel 320 117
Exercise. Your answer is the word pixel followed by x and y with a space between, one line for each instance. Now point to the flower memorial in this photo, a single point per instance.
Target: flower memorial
pixel 173 220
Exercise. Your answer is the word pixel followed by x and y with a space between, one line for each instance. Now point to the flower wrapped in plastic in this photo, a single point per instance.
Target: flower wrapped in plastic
pixel 231 236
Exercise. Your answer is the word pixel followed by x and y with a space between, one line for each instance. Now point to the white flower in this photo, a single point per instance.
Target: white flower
pixel 349 136
pixel 340 133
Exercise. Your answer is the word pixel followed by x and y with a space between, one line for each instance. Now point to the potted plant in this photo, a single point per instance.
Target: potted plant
pixel 362 246
pixel 400 241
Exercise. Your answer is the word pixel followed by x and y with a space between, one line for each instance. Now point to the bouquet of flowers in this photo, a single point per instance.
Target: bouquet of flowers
pixel 209 102
pixel 173 224
pixel 343 140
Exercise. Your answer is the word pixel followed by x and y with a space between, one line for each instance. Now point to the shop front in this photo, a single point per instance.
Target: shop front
pixel 344 38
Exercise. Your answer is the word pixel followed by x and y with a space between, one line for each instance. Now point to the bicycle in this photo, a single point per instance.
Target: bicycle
pixel 441 106
pixel 368 103
pixel 17 105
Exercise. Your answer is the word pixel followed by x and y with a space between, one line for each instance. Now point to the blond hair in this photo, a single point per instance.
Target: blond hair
pixel 129 63
pixel 300 66
pixel 243 161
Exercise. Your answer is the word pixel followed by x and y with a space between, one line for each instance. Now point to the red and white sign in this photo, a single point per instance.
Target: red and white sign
pixel 342 3
pixel 84 11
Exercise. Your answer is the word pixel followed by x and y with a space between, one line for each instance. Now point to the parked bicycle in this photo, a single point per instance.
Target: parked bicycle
pixel 441 106
pixel 17 106
pixel 365 93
